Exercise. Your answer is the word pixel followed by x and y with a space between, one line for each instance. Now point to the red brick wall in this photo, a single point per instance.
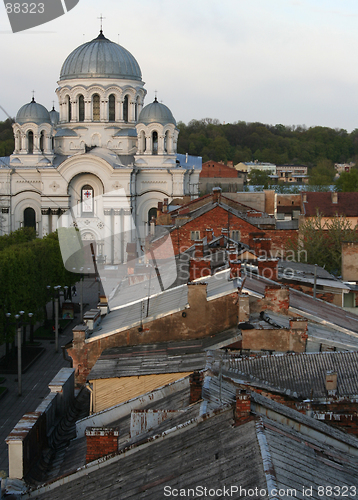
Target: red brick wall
pixel 215 219
pixel 100 442
pixel 215 169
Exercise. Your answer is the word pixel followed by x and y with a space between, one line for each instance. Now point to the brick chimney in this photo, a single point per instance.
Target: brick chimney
pixel 209 235
pixel 199 268
pixel 216 195
pixel 252 236
pixel 165 205
pixel 196 385
pixel 101 441
pixel 235 268
pixel 223 237
pixel 244 308
pixel 331 383
pixel 199 249
pixel 268 268
pixel 160 208
pixel 277 299
pixel 262 247
pixel 242 407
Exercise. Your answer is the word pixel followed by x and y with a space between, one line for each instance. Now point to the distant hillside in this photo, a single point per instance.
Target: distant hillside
pixel 277 144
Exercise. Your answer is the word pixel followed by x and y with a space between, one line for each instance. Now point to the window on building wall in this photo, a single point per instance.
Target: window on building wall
pixel 195 235
pixel 69 111
pixel 125 109
pixel 152 213
pixel 87 199
pixel 30 141
pixel 96 106
pixel 30 217
pixel 112 108
pixel 42 141
pixel 235 235
pixel 155 143
pixel 81 108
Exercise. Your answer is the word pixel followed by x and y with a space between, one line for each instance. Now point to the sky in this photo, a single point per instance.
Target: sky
pixel 272 61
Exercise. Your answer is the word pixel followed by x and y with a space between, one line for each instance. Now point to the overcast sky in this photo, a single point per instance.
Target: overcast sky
pixel 274 61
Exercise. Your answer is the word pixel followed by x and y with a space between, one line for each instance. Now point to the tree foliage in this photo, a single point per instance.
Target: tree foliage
pixel 278 144
pixel 259 178
pixel 347 181
pixel 320 241
pixel 27 266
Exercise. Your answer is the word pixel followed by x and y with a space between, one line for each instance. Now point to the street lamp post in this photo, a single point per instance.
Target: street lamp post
pixel 57 288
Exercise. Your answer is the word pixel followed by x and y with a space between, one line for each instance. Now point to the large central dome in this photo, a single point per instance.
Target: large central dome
pixel 100 58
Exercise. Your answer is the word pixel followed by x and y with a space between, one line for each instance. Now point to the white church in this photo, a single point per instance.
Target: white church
pixel 105 157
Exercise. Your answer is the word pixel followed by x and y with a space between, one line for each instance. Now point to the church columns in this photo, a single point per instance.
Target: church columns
pixel 74 111
pixel 54 218
pixel 88 110
pixel 118 110
pixel 104 111
pixel 108 243
pixel 120 115
pixel 45 219
pixel 148 144
pixel 24 143
pixel 160 144
pixel 130 111
pixel 117 236
pixel 48 144
pixel 127 230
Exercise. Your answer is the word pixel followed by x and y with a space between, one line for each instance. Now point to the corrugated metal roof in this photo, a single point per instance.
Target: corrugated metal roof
pixel 301 375
pixel 167 302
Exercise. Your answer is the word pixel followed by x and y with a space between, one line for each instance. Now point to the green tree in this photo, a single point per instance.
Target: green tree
pixel 259 178
pixel 347 181
pixel 323 174
pixel 320 242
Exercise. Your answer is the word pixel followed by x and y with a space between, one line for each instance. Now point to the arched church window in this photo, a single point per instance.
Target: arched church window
pixel 81 108
pixel 125 109
pixel 30 142
pixel 96 106
pixel 155 143
pixel 42 141
pixel 152 213
pixel 87 199
pixel 30 217
pixel 112 108
pixel 68 105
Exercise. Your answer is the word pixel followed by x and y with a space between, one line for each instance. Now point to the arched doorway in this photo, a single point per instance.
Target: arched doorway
pixel 30 217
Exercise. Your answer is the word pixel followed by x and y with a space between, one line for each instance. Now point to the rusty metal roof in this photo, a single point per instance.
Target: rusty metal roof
pixel 299 375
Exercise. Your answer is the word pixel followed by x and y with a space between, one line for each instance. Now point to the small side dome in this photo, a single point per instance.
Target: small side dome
pixel 54 116
pixel 33 113
pixel 156 112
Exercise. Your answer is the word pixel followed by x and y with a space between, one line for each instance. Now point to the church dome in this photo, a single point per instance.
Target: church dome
pixel 156 112
pixel 100 58
pixel 33 112
pixel 54 116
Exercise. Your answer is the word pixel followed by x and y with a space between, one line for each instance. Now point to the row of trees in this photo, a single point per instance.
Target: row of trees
pixel 27 266
pixel 277 144
pixel 321 239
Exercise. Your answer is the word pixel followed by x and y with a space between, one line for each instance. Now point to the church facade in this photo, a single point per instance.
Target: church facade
pixel 104 158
